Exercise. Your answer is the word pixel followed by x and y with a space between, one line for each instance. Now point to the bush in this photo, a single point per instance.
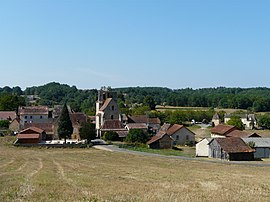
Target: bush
pixel 137 135
pixel 110 136
pixel 4 123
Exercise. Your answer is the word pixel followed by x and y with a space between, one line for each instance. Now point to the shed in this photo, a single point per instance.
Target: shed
pixel 261 145
pixel 202 147
pixel 230 148
pixel 31 135
pixel 160 141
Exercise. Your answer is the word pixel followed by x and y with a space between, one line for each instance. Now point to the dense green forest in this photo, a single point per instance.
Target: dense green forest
pixel 253 99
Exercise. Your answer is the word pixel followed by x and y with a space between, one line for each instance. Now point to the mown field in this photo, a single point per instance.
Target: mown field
pixel 33 174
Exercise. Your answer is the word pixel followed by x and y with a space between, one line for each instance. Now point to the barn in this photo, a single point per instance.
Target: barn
pixel 261 145
pixel 202 147
pixel 230 148
pixel 160 141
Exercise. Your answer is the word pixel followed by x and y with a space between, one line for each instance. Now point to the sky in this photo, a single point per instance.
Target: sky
pixel 123 43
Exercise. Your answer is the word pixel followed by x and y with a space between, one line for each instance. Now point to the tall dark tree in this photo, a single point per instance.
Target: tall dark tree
pixel 88 131
pixel 149 101
pixel 65 128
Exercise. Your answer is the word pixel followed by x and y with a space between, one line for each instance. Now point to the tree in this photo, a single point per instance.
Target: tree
pixel 110 136
pixel 65 128
pixel 150 102
pixel 9 102
pixel 264 121
pixel 136 135
pixel 88 131
pixel 4 123
pixel 236 121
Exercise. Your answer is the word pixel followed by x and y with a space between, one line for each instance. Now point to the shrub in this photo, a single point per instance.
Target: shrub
pixel 137 135
pixel 110 136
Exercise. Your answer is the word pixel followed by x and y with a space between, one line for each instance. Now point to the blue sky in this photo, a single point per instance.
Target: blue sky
pixel 119 43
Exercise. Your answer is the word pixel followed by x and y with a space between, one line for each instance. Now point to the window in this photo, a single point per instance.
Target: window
pixel 113 108
pixel 31 117
pixel 25 117
pixel 111 116
pixel 187 137
pixel 177 137
pixel 40 117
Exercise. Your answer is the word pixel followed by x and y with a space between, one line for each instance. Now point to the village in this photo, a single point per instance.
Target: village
pixel 37 126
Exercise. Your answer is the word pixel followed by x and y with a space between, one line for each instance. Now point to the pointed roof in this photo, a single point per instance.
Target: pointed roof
pixel 222 129
pixel 33 130
pixel 157 137
pixel 174 128
pixel 233 145
pixel 216 116
pixel 105 105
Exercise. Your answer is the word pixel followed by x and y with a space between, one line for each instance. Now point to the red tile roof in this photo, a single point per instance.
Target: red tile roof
pixel 222 129
pixel 35 110
pixel 239 133
pixel 143 119
pixel 7 115
pixel 112 124
pixel 122 133
pixel 137 126
pixel 105 105
pixel 32 130
pixel 28 136
pixel 47 127
pixel 233 145
pixel 174 128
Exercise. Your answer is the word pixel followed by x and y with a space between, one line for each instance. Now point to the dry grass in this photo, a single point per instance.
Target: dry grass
pixel 32 174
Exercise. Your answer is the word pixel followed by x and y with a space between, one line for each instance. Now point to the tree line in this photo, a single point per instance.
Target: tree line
pixel 253 99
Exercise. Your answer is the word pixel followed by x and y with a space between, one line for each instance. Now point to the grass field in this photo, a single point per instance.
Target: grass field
pixel 33 174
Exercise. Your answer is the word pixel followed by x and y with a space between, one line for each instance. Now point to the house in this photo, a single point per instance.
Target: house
pixel 216 120
pixel 181 135
pixel 49 128
pixel 33 114
pixel 106 108
pixel 261 145
pixel 230 148
pixel 249 120
pixel 14 126
pixel 160 141
pixel 242 134
pixel 31 135
pixel 141 126
pixel 8 115
pixel 77 119
pixel 202 147
pixel 222 130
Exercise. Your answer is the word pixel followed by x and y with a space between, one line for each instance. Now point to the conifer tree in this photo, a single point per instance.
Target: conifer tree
pixel 65 128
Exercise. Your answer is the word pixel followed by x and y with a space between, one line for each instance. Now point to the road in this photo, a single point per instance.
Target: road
pixel 113 148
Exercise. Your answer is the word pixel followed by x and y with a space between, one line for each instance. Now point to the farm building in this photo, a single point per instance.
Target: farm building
pixel 222 130
pixel 216 120
pixel 261 145
pixel 202 147
pixel 31 135
pixel 160 141
pixel 230 148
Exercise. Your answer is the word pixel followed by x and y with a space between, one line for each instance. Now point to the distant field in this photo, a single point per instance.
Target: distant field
pixel 163 108
pixel 33 174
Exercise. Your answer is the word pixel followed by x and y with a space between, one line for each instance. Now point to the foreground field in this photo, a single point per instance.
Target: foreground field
pixel 32 174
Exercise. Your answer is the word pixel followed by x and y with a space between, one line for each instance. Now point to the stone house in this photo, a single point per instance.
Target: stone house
pixel 8 115
pixel 249 120
pixel 216 120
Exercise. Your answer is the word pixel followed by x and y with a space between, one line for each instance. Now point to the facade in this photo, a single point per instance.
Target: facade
pixel 222 130
pixel 261 145
pixel 106 108
pixel 230 148
pixel 141 126
pixel 202 147
pixel 77 119
pixel 34 114
pixel 153 124
pixel 160 141
pixel 14 126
